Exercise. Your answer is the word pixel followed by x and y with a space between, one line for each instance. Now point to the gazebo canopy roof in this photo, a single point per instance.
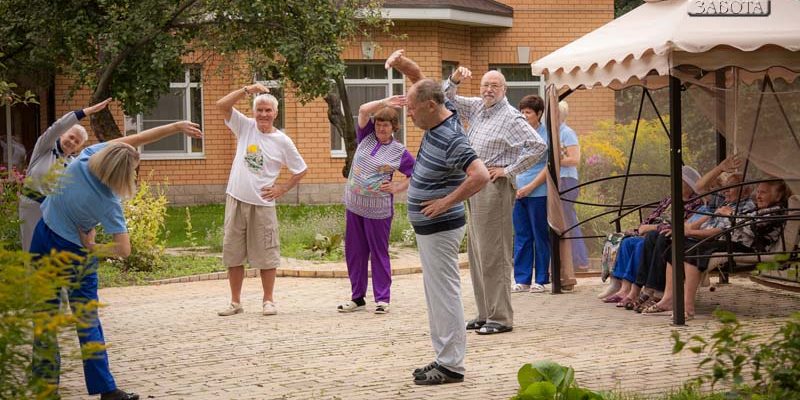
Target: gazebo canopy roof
pixel 641 47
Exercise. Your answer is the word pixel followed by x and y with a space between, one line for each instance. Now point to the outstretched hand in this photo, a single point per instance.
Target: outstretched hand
pixel 97 107
pixel 395 101
pixel 257 88
pixel 460 74
pixel 393 58
pixel 732 163
pixel 190 128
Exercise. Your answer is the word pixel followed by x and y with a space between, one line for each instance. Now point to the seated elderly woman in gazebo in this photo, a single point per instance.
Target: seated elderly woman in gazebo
pixel 758 233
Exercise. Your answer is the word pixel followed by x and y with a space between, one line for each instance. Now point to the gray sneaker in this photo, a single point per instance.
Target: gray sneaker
pixel 437 376
pixel 233 309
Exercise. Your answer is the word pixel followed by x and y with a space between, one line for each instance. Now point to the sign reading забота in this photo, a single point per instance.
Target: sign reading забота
pixel 729 8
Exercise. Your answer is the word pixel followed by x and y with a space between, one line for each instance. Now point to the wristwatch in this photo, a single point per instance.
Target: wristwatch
pixel 245 90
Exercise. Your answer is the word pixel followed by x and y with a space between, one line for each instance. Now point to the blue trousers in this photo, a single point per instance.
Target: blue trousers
pixel 531 240
pixel 46 357
pixel 580 256
pixel 629 255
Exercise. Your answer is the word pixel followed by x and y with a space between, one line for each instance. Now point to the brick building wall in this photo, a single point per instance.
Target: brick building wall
pixel 543 26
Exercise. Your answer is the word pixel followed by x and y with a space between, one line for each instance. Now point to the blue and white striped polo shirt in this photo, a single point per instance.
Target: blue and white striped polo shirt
pixel 442 161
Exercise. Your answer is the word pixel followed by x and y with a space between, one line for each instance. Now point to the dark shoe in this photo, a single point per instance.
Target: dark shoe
pixel 425 369
pixel 438 376
pixel 491 328
pixel 474 324
pixel 117 394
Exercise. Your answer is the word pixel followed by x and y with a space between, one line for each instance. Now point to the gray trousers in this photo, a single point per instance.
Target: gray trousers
pixel 438 254
pixel 29 215
pixel 490 246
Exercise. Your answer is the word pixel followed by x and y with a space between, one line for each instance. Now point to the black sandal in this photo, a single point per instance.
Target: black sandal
pixel 491 328
pixel 474 324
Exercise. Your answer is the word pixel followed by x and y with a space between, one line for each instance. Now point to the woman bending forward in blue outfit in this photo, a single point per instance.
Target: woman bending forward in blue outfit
pixel 90 193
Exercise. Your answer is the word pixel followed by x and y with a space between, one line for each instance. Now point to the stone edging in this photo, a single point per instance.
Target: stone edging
pixel 288 272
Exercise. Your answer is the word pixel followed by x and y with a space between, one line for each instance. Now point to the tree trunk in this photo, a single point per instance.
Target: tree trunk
pixel 103 124
pixel 341 118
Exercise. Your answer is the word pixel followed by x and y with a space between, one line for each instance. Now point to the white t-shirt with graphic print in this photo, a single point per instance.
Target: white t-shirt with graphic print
pixel 258 160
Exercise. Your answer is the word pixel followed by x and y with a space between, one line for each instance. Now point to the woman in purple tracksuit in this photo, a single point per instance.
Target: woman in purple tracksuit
pixel 369 200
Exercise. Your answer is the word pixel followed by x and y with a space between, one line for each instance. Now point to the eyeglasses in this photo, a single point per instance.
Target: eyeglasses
pixel 492 86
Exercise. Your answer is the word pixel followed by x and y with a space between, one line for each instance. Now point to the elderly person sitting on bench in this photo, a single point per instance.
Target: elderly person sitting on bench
pixel 757 234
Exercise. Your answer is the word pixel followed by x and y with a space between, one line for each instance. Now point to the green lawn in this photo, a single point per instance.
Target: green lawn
pixel 174 266
pixel 298 227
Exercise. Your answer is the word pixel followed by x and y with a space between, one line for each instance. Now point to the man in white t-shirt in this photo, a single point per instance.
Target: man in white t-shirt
pixel 251 224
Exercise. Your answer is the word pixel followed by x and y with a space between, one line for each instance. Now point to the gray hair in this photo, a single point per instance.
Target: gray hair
pixel 563 110
pixel 265 97
pixel 81 131
pixel 428 89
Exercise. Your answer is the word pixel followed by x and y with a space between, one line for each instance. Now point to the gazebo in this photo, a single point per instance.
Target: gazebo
pixel 711 45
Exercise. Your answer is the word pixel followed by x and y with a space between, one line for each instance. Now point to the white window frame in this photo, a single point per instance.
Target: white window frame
pixel 388 84
pixel 538 84
pixel 187 85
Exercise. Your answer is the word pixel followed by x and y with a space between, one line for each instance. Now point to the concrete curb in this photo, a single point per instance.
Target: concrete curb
pixel 288 272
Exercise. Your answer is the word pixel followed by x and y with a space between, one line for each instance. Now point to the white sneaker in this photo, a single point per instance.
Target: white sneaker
pixel 268 308
pixel 381 308
pixel 349 306
pixel 537 288
pixel 233 309
pixel 519 288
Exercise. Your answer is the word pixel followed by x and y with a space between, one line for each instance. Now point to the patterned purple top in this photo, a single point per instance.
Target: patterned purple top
pixel 373 164
pixel 655 217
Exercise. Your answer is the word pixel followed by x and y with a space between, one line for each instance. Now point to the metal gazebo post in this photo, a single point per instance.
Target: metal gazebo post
pixel 555 244
pixel 676 164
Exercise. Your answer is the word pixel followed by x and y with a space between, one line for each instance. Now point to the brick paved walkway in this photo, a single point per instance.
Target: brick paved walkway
pixel 166 342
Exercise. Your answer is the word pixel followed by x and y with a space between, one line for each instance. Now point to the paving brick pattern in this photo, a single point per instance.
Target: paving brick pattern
pixel 166 341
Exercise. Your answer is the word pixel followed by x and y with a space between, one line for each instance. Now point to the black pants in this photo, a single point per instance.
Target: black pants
pixel 653 267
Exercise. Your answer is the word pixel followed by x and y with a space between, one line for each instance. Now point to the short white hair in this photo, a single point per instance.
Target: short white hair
pixel 81 131
pixel 563 110
pixel 265 97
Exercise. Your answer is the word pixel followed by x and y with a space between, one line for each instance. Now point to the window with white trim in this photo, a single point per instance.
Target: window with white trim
pixel 183 102
pixel 365 82
pixel 520 82
pixel 448 67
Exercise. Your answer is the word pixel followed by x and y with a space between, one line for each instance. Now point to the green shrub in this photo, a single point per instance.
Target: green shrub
pixel 189 229
pixel 773 366
pixel 214 236
pixel 10 185
pixel 145 214
pixel 548 380
pixel 26 286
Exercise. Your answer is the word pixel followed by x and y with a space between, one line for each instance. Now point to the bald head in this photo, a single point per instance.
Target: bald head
pixel 493 88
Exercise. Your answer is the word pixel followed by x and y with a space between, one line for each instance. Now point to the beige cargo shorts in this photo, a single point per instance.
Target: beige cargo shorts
pixel 251 235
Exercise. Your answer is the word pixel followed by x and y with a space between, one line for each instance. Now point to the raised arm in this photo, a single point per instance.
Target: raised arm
pixel 729 164
pixel 160 132
pixel 405 65
pixel 225 104
pixel 367 109
pixel 47 141
pixel 477 178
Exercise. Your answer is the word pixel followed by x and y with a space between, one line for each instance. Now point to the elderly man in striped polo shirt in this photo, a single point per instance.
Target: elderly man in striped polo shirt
pixel 447 172
pixel 508 145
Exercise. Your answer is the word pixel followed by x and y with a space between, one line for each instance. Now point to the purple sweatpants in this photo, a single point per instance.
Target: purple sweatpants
pixel 367 239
